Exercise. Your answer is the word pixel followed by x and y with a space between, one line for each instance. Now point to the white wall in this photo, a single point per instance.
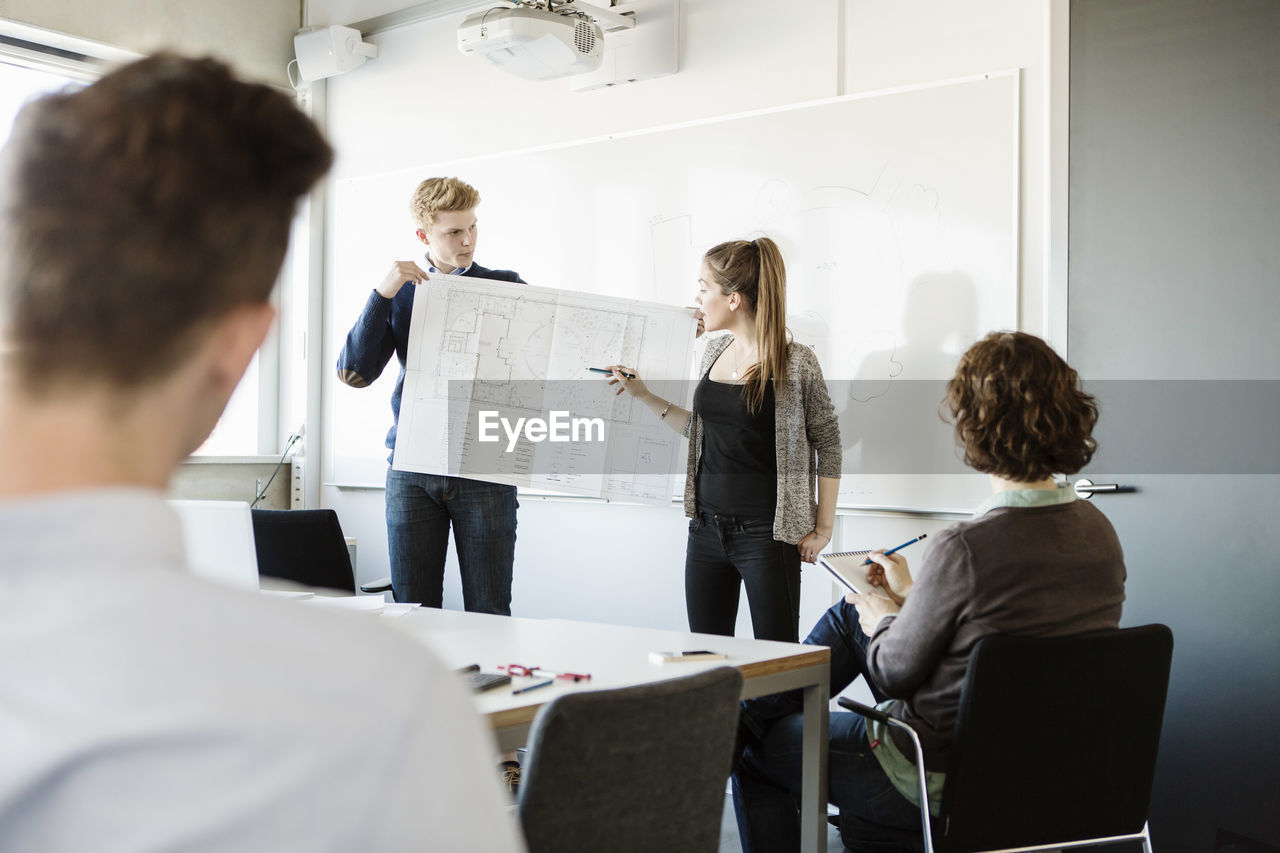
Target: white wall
pixel 254 36
pixel 421 102
pixel 915 41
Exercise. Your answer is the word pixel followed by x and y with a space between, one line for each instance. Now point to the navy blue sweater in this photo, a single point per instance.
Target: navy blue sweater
pixel 382 330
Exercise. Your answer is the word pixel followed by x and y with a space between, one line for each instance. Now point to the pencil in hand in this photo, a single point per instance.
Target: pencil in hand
pixel 610 372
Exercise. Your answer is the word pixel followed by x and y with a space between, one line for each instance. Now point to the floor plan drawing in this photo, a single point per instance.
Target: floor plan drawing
pixel 497 388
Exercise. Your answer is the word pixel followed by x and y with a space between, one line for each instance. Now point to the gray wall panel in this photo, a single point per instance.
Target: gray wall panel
pixel 1174 273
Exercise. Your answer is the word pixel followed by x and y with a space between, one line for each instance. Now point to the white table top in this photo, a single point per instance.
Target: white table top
pixel 614 655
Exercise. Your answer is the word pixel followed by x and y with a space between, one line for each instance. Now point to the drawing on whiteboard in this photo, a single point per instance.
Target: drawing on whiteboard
pixel 486 352
pixel 850 254
pixel 879 254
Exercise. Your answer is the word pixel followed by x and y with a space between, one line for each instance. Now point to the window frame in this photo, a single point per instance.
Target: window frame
pixel 83 60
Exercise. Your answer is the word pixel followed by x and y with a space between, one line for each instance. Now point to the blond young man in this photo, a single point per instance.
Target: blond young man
pixel 143 221
pixel 422 507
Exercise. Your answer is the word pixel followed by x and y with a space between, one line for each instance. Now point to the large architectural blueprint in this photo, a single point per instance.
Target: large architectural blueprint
pixel 497 388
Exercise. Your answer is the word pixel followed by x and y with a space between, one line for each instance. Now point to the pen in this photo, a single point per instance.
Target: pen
pixel 610 372
pixel 567 676
pixel 533 686
pixel 900 547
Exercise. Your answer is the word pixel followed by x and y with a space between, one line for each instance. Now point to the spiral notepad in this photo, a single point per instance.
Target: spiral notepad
pixel 848 568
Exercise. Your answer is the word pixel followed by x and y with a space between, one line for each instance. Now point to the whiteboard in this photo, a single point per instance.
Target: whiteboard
pixel 896 212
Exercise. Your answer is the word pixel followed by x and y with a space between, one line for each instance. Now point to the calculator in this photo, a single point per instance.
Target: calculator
pixel 485 680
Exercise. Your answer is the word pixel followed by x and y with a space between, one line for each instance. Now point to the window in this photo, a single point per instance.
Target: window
pixel 236 433
pixel 19 84
pixel 29 70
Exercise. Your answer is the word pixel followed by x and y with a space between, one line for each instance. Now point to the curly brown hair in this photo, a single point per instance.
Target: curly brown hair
pixel 1019 411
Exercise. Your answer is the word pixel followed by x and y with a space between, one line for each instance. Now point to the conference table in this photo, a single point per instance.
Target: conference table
pixel 618 656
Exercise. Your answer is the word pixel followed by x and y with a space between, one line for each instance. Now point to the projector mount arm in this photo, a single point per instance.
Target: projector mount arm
pixel 608 20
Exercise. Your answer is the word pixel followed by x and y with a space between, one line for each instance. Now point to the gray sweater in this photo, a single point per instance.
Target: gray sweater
pixel 1034 571
pixel 808 441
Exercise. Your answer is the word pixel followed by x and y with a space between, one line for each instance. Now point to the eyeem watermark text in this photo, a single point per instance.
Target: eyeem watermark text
pixel 559 427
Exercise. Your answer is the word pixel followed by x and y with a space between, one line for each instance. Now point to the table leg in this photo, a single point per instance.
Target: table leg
pixel 813 796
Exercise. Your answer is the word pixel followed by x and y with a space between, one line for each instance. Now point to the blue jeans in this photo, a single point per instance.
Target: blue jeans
pixel 722 553
pixel 420 508
pixel 874 816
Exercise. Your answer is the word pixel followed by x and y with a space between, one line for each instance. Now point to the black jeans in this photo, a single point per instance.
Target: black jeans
pixel 724 552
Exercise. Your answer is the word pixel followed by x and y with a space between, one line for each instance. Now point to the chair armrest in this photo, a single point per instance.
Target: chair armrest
pixel 380 585
pixel 881 717
pixel 865 710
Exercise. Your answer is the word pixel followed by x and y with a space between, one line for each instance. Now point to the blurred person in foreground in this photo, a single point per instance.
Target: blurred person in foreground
pixel 143 221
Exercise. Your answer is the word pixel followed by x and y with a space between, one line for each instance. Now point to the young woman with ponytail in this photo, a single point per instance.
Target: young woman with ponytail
pixel 761 431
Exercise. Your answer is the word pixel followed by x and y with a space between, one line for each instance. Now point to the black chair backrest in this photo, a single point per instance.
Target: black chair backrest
pixel 303 545
pixel 1056 738
pixel 632 769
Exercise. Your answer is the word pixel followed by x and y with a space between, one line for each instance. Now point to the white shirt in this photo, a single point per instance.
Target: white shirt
pixel 144 709
pixel 431 267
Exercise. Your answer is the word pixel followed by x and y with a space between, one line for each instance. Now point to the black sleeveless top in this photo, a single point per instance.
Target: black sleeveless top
pixel 738 471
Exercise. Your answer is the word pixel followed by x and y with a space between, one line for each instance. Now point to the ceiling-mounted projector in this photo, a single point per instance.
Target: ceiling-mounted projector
pixel 536 44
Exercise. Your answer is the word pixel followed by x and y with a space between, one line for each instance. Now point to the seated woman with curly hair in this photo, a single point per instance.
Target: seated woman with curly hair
pixel 1033 561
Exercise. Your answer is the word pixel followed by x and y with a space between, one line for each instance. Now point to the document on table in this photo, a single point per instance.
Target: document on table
pixel 358 603
pixel 346 602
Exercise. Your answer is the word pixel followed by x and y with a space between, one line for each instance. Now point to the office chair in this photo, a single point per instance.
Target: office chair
pixel 303 545
pixel 1055 742
pixel 380 585
pixel 632 769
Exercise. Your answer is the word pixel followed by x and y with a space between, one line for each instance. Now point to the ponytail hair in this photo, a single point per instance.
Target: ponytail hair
pixel 754 270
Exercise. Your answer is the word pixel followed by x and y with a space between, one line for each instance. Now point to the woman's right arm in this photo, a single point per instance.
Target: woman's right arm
pixel 907 647
pixel 891 573
pixel 630 381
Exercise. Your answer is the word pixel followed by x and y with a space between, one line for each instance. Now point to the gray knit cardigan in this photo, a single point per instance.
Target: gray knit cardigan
pixel 808 441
